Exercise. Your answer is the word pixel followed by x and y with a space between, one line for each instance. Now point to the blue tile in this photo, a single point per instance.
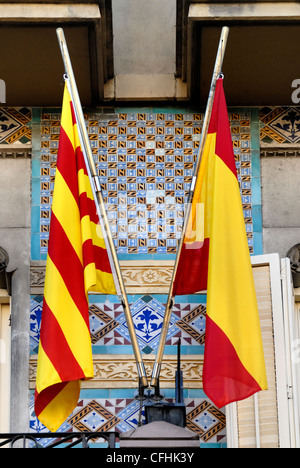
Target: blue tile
pixel 94 393
pixel 35 191
pixel 258 243
pixel 256 190
pixel 257 218
pixel 159 131
pixel 35 247
pixel 35 219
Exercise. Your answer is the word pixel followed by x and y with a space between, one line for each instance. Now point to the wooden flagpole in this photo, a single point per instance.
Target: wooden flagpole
pixel 100 205
pixel 170 302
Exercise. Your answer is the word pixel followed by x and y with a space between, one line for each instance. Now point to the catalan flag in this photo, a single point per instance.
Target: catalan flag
pixel 77 262
pixel 215 257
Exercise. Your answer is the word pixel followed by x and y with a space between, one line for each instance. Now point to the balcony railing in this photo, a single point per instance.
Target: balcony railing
pixel 58 439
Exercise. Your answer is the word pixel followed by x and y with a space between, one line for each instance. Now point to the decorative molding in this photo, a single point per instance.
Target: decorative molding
pixel 140 277
pixel 147 276
pixel 15 152
pixel 37 276
pixel 278 152
pixel 120 371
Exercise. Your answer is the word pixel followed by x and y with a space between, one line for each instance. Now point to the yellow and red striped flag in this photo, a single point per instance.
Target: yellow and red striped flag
pixel 77 262
pixel 215 257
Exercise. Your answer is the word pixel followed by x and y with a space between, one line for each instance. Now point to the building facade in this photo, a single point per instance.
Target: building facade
pixel 143 70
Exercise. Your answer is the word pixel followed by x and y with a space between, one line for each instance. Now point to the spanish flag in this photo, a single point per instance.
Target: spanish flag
pixel 77 262
pixel 215 257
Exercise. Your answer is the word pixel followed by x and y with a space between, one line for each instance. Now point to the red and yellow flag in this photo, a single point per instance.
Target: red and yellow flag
pixel 77 262
pixel 215 257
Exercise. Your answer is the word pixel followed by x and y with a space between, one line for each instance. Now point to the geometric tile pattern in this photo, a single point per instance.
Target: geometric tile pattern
pixel 108 324
pixel 279 126
pixel 102 324
pixel 36 305
pixel 93 417
pixel 145 164
pixel 125 414
pixel 192 322
pixel 147 314
pixel 15 125
pixel 109 328
pixel 206 420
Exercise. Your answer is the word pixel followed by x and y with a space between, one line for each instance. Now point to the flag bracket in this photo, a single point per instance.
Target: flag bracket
pixel 97 183
pixel 174 413
pixel 192 187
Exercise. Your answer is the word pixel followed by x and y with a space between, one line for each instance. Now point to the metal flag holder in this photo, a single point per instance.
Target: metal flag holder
pixel 160 410
pixel 95 184
pixel 165 326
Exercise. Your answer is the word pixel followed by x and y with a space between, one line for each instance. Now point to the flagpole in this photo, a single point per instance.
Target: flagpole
pixel 165 326
pixel 100 205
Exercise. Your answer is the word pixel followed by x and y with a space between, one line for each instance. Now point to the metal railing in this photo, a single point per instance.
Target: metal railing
pixel 57 439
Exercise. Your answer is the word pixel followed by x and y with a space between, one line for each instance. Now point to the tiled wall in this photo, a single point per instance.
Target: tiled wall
pixel 15 126
pixel 145 162
pixel 279 127
pixel 115 408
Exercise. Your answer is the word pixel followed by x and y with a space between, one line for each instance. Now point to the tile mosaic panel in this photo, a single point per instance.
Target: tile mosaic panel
pixel 119 410
pixel 145 164
pixel 15 125
pixel 279 126
pixel 125 414
pixel 108 325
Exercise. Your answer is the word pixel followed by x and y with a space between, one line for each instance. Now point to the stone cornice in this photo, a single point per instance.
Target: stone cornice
pixel 280 152
pixel 15 152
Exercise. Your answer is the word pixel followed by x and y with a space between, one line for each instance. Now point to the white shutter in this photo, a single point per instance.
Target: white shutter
pixel 4 367
pixel 262 421
pixel 292 349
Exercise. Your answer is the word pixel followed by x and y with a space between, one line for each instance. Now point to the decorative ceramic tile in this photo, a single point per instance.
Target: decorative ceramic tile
pixel 125 414
pixel 147 314
pixel 108 328
pixel 187 322
pixel 130 412
pixel 15 125
pixel 191 323
pixel 108 324
pixel 145 164
pixel 36 305
pixel 206 420
pixel 93 417
pixel 279 126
